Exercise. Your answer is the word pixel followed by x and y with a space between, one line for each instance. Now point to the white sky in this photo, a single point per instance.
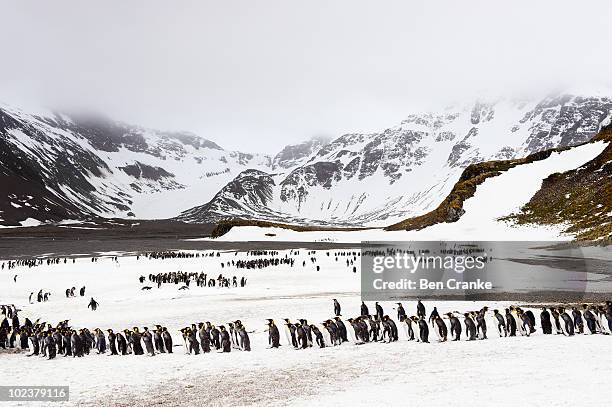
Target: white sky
pixel 256 75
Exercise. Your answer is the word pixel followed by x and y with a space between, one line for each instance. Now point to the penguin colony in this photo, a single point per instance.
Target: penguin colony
pixel 43 340
pixel 46 340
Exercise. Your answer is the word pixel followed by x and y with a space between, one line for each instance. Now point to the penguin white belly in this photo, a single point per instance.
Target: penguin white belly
pixel 288 336
pixel 519 324
pixel 406 331
pixel 351 333
pixel 326 336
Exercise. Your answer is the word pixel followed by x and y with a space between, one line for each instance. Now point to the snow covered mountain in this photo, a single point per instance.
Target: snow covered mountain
pixel 55 167
pixel 378 178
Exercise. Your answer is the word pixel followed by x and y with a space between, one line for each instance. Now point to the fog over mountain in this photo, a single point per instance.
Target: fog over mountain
pixel 259 76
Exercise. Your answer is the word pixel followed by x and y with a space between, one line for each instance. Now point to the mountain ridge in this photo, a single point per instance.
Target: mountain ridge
pixel 81 167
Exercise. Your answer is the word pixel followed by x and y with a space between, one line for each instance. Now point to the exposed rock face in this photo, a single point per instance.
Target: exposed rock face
pixel 293 155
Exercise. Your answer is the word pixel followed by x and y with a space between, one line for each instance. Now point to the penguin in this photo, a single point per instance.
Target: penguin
pixel 185 335
pixel 111 341
pixel 341 329
pixel 308 332
pixel 121 344
pixel 66 343
pixel 394 332
pixel 290 333
pixel 318 336
pixel 455 326
pixel 215 335
pixel 606 320
pixel 273 334
pixel 401 312
pixel 379 311
pixel 407 325
pixel 363 329
pixel 23 340
pixel 354 332
pixel 501 323
pixel 481 323
pixel 545 322
pixel 510 323
pixel 434 314
pixel 423 330
pixel 441 329
pixel 589 319
pixel 373 327
pixel 51 346
pixel 76 344
pixel 167 338
pixel 568 326
pixel 204 335
pixel 100 341
pixel 526 325
pixel 232 334
pixel 334 334
pixel 300 334
pixel 35 346
pixel 158 341
pixel 557 323
pixel 470 327
pixel 364 309
pixel 226 345
pixel 420 309
pixel 135 342
pixel 147 338
pixel 244 341
pixel 531 317
pixel 386 330
pixel 337 308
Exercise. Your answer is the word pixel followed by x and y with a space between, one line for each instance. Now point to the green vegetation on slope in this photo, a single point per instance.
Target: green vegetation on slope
pixel 581 198
pixel 451 209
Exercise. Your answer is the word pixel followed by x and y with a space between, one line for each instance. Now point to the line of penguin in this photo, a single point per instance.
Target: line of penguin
pixel 46 341
pixel 380 327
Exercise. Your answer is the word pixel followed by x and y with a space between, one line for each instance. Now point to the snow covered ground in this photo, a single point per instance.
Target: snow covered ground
pixel 535 371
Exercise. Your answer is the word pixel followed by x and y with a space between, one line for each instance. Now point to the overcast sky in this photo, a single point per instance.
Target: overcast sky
pixel 255 75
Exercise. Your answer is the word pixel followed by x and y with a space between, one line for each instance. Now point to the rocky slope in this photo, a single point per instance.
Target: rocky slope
pixel 579 199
